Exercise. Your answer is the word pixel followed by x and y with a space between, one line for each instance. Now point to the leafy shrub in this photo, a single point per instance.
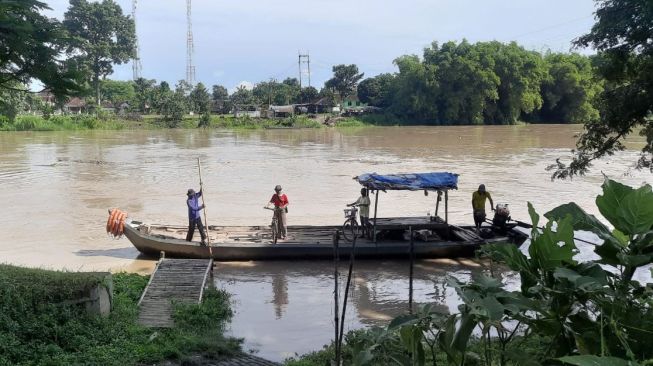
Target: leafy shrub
pixel 566 312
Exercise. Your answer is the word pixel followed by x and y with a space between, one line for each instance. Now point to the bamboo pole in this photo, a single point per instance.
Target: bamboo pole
pixel 352 255
pixel 410 276
pixel 206 223
pixel 336 257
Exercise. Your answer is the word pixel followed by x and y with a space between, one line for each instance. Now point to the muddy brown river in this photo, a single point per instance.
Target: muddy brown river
pixel 55 188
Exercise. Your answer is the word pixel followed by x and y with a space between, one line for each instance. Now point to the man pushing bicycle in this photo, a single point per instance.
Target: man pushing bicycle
pixel 280 202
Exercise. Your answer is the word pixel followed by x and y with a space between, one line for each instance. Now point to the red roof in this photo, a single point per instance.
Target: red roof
pixel 75 103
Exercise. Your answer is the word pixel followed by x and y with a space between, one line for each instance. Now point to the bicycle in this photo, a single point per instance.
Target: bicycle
pixel 351 227
pixel 274 225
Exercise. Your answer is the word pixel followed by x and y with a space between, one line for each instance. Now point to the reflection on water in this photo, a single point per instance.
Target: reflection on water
pixel 283 308
pixel 57 186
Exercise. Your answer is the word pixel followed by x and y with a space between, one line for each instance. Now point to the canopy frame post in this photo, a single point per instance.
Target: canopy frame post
pixel 446 206
pixel 376 206
pixel 437 204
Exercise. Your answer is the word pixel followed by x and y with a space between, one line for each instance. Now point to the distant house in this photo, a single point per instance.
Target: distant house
pixel 74 105
pixel 353 105
pixel 252 111
pixel 46 97
pixel 322 105
pixel 352 102
pixel 281 111
pixel 107 106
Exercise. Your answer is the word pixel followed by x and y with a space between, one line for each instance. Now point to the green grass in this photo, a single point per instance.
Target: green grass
pixel 38 326
pixel 90 122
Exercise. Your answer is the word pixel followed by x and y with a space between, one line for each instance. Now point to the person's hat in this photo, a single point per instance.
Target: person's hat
pixel 277 188
pixel 190 192
pixel 481 188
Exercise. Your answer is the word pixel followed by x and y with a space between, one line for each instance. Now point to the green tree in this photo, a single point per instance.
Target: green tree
pixel 377 91
pixel 308 94
pixel 200 99
pixel 243 96
pixel 145 94
pixel 160 96
pixel 12 100
pixel 219 93
pixel 622 35
pixel 570 89
pixel 345 79
pixel 100 37
pixel 30 45
pixel 520 74
pixel 175 105
pixel 416 89
pixel 118 91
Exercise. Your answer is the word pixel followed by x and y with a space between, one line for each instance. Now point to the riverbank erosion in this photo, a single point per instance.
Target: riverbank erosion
pixel 45 319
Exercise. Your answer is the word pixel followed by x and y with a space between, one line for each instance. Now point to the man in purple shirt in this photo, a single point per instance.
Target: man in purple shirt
pixel 194 218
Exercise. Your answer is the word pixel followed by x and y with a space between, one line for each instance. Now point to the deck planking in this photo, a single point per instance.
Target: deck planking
pixel 173 280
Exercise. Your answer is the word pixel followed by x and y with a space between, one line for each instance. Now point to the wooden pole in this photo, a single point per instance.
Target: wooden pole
pixel 437 204
pixel 344 301
pixel 206 224
pixel 446 207
pixel 336 257
pixel 410 276
pixel 376 206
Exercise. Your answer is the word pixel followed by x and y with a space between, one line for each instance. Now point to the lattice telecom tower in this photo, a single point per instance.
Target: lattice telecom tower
pixel 190 69
pixel 137 67
pixel 304 59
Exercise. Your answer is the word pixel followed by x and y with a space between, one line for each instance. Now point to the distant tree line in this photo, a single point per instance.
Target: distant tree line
pixel 487 83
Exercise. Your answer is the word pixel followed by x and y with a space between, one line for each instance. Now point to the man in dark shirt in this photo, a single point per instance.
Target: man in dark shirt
pixel 194 218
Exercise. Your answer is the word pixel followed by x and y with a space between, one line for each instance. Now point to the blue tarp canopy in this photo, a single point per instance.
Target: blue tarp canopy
pixel 411 182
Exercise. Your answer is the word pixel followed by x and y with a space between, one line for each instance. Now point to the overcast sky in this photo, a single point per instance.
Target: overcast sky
pixel 248 41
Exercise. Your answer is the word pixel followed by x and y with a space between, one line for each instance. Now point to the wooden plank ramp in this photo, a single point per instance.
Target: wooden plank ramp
pixel 173 280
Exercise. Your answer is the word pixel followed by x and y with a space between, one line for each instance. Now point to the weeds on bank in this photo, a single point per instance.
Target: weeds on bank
pixel 38 326
pixel 567 311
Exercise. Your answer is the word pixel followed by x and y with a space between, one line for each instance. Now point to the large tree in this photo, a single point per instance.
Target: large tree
pixel 145 94
pixel 200 99
pixel 377 91
pixel 569 90
pixel 219 93
pixel 345 79
pixel 118 91
pixel 623 35
pixel 30 48
pixel 308 94
pixel 101 36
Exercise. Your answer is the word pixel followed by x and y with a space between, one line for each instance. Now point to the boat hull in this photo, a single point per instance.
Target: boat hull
pixel 154 245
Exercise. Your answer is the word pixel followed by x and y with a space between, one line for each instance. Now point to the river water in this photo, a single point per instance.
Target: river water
pixel 56 188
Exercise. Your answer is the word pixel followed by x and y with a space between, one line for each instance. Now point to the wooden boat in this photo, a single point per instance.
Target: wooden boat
pixel 242 243
pixel 434 236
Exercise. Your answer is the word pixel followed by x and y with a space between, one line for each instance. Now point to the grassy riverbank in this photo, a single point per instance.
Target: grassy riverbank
pixel 39 325
pixel 91 122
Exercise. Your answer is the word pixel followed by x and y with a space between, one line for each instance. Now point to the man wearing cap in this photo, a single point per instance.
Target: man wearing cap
pixel 194 218
pixel 478 205
pixel 280 202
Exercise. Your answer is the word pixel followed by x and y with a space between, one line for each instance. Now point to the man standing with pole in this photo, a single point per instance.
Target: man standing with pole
pixel 194 218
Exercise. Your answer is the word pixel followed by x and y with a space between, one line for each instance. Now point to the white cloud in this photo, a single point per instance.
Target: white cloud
pixel 243 84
